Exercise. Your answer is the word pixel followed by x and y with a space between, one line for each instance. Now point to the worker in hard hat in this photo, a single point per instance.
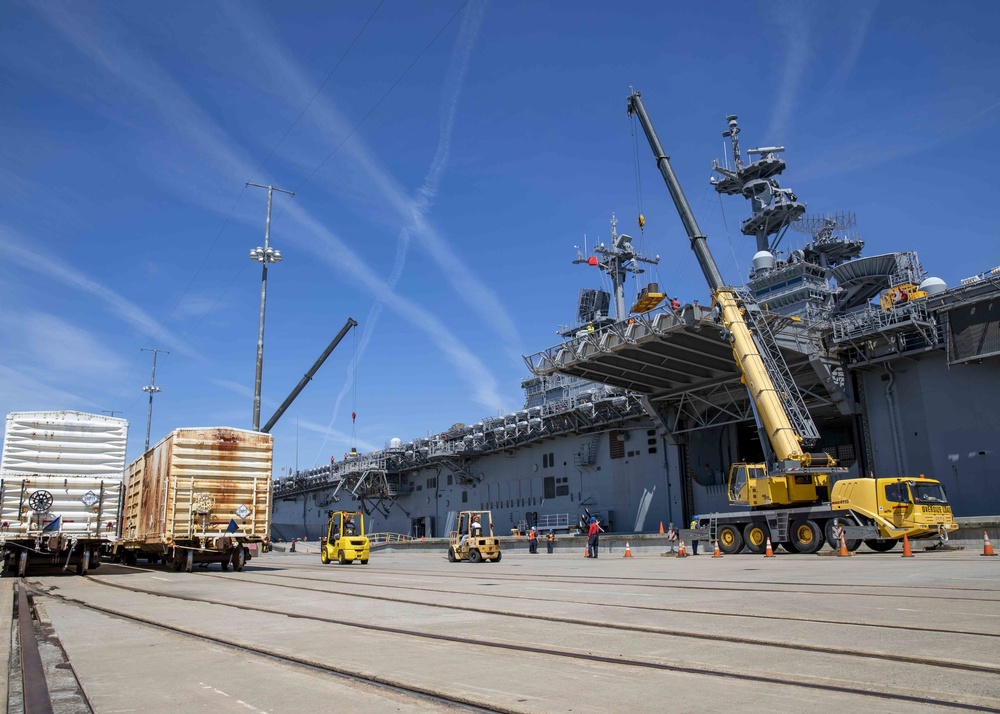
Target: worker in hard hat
pixel 550 540
pixel 593 532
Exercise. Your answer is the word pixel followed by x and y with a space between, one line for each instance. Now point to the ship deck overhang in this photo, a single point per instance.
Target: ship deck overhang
pixel 684 366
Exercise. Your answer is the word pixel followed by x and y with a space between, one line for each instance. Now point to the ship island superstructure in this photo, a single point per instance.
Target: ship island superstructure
pixel 635 416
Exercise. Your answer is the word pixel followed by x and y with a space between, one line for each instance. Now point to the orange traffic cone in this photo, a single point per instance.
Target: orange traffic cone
pixel 769 551
pixel 661 527
pixel 987 547
pixel 628 551
pixel 907 553
pixel 421 539
pixel 586 551
pixel 843 547
pixel 682 551
pixel 717 553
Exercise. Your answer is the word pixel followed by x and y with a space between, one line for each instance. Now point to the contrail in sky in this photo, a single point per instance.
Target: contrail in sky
pixel 173 106
pixel 457 69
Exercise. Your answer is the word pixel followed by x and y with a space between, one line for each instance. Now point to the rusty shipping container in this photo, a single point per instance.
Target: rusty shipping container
pixel 201 495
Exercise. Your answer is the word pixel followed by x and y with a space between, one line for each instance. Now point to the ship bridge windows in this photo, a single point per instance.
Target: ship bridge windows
pixel 555 487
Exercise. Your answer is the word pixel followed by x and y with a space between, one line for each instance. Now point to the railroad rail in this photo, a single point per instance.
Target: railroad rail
pixel 796 682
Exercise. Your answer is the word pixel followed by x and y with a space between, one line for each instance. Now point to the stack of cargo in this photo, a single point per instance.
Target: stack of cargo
pixel 60 488
pixel 199 496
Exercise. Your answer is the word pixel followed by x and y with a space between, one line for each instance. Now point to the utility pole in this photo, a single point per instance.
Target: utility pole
pixel 152 389
pixel 265 256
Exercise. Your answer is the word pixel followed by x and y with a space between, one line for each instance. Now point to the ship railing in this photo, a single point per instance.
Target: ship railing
pixel 380 540
pixel 874 319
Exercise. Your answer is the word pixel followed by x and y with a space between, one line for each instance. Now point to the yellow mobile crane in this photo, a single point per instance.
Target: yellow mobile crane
pixel 790 496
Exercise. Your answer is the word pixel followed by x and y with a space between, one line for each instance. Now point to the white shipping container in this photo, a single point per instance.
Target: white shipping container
pixel 79 507
pixel 64 443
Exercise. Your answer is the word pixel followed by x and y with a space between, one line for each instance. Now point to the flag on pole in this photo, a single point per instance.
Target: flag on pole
pixel 52 525
pixel 232 526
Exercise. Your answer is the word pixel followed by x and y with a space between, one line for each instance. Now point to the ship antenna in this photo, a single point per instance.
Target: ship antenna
pixel 733 135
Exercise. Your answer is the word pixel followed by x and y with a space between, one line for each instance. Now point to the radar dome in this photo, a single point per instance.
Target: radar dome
pixel 763 260
pixel 395 443
pixel 934 286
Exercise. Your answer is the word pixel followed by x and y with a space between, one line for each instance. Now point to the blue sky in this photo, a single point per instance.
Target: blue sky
pixel 438 206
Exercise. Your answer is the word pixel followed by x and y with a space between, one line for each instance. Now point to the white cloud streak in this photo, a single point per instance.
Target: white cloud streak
pixel 143 78
pixel 792 23
pixel 457 69
pixel 18 252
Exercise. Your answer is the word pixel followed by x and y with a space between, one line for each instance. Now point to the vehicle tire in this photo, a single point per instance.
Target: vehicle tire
pixel 789 546
pixel 755 536
pixel 323 557
pixel 806 536
pixel 852 544
pixel 730 539
pixel 341 558
pixel 364 562
pixel 475 556
pixel 451 555
pixel 496 559
pixel 880 545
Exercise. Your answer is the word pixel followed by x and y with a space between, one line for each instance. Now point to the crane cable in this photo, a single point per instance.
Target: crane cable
pixel 354 396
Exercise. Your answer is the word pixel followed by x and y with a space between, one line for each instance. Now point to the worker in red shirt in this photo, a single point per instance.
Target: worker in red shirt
pixel 592 537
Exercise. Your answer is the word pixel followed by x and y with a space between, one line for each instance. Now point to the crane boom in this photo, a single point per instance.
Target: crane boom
pixel 785 440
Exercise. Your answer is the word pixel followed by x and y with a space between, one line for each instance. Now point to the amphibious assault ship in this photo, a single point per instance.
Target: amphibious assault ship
pixel 635 416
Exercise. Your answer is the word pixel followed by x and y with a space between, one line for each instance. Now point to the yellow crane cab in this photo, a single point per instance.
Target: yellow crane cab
pixel 345 539
pixel 474 540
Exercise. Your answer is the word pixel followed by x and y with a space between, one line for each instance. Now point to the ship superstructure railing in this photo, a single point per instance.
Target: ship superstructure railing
pixel 873 320
pixel 589 412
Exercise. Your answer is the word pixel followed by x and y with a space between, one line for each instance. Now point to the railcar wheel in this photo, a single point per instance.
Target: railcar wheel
pixel 880 545
pixel 22 564
pixel 239 558
pixel 852 544
pixel 475 556
pixel 730 539
pixel 451 555
pixel 806 536
pixel 189 561
pixel 756 535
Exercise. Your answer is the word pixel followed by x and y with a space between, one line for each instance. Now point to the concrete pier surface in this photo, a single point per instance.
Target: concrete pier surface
pixel 536 633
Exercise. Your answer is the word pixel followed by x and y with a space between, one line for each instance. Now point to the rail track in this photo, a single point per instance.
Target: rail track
pixel 884 694
pixel 624 627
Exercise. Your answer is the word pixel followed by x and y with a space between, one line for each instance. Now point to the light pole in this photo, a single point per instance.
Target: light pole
pixel 265 256
pixel 151 389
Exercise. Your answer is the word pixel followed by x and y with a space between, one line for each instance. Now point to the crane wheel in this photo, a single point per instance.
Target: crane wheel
pixel 755 535
pixel 852 543
pixel 806 536
pixel 881 546
pixel 730 539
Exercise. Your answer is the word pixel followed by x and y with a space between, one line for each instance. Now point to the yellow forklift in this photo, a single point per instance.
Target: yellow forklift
pixel 474 540
pixel 345 539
